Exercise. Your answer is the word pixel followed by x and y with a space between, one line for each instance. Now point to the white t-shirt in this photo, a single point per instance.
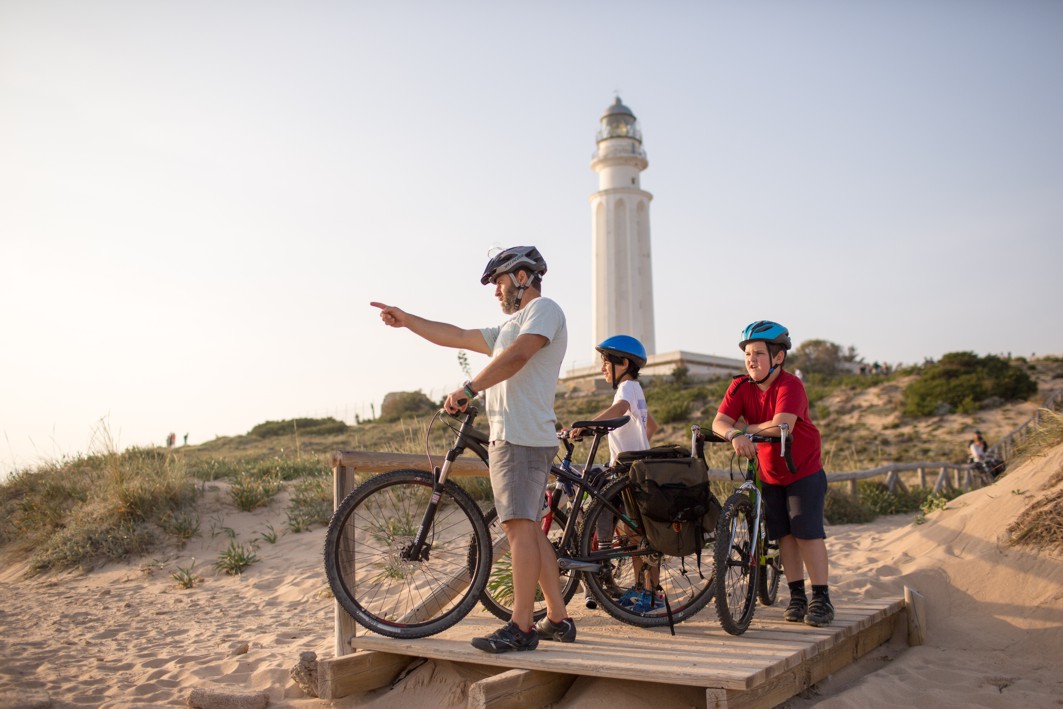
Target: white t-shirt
pixel 632 435
pixel 520 410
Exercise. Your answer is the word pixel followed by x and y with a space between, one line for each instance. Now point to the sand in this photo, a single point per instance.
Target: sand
pixel 128 636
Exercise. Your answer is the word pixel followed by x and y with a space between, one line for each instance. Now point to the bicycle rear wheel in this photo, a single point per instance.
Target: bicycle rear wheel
pixel 687 585
pixel 770 573
pixel 498 593
pixel 736 564
pixel 368 563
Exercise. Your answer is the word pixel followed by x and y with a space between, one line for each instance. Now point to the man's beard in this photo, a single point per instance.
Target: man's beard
pixel 509 303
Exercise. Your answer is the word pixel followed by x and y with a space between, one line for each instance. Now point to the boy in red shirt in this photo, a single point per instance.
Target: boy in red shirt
pixel 793 502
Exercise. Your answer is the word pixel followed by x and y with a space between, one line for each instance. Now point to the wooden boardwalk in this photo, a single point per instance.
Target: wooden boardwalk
pixel 770 663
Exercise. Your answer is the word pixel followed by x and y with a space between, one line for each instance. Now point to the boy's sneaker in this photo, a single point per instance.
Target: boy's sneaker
pixel 508 637
pixel 796 611
pixel 563 632
pixel 820 612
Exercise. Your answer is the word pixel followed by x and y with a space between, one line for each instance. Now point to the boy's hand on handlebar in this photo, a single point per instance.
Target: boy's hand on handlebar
pixel 575 434
pixel 456 402
pixel 743 446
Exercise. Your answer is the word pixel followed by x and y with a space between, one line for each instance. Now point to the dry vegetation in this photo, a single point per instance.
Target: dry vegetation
pixel 111 505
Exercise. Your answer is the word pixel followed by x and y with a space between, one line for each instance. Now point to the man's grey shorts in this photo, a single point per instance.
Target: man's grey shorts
pixel 518 479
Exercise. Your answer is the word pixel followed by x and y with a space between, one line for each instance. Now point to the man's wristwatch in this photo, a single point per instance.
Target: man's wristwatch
pixel 469 391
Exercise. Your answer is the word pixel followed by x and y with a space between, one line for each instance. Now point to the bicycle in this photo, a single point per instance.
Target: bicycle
pixel 747 563
pixel 609 569
pixel 408 553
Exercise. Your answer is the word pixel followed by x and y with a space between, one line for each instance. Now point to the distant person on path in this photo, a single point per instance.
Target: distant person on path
pixel 793 502
pixel 519 385
pixel 622 358
pixel 978 448
pixel 186 439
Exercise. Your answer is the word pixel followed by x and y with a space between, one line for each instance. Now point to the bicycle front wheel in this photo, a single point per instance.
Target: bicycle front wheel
pixel 375 577
pixel 737 564
pixel 625 586
pixel 498 594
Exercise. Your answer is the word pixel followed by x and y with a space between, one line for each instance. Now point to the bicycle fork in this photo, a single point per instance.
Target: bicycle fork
pixel 419 548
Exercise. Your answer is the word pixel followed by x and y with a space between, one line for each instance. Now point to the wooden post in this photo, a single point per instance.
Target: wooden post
pixel 915 604
pixel 342 485
pixel 922 477
pixel 941 481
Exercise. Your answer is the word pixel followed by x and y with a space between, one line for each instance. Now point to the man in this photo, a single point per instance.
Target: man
pixel 519 385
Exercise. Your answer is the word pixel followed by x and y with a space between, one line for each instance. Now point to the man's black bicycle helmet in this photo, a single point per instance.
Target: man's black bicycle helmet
pixel 515 258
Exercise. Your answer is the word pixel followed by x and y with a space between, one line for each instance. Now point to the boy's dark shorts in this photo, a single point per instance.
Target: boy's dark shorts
pixel 796 508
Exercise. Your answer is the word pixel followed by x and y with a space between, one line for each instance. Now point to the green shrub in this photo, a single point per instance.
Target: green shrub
pixel 880 500
pixel 307 426
pixel 250 491
pixel 962 381
pixel 311 503
pixel 236 558
pixel 843 508
pixel 404 404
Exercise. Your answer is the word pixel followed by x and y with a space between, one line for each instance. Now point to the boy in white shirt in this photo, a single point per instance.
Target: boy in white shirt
pixel 622 357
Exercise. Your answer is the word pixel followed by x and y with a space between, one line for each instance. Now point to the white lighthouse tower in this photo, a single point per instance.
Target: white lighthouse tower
pixel 621 278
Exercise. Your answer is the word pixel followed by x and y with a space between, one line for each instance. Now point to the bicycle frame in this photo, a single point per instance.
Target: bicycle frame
pixel 468 437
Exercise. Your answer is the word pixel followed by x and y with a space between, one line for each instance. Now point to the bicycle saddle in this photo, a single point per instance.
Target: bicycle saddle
pixel 605 425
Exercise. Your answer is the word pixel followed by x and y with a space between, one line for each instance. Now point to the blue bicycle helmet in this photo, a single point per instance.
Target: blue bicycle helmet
pixel 624 346
pixel 765 331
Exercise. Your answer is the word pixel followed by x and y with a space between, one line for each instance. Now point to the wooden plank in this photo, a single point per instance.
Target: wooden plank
pixel 359 672
pixel 519 689
pixel 372 462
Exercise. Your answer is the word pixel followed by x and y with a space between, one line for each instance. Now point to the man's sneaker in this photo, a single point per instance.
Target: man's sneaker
pixel 820 612
pixel 796 611
pixel 563 632
pixel 508 637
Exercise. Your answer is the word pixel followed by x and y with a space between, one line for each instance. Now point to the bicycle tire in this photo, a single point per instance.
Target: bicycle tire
pixel 498 592
pixel 394 596
pixel 770 573
pixel 687 585
pixel 737 567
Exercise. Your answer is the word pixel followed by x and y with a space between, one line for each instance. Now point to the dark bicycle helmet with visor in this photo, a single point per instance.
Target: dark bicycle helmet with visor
pixel 515 258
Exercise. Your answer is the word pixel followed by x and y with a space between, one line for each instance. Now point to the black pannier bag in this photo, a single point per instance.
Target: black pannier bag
pixel 679 511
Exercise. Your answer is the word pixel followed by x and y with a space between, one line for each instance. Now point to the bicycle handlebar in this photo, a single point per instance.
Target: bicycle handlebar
pixel 699 438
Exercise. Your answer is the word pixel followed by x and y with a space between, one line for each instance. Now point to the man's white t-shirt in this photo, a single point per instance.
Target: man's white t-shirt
pixel 520 410
pixel 632 435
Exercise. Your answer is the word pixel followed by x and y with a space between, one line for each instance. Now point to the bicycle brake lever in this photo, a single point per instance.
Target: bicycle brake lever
pixel 784 428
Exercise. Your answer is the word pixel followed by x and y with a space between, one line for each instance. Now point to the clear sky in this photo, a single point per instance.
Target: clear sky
pixel 198 199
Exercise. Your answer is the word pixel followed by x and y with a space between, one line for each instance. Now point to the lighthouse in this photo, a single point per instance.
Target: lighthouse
pixel 621 277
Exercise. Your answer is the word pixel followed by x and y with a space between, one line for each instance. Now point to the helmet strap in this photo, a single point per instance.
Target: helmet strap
pixel 520 290
pixel 765 378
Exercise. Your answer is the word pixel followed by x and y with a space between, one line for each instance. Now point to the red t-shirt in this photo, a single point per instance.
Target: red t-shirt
pixel 744 399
